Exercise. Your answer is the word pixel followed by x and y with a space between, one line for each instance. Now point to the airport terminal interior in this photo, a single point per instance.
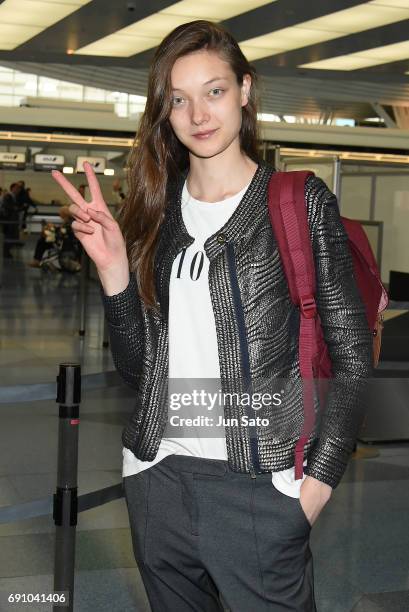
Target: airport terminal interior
pixel 334 99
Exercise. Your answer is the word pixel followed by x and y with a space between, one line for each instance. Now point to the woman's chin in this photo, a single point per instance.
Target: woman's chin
pixel 206 151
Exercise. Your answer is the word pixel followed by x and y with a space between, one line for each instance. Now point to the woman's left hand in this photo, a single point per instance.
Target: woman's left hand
pixel 314 494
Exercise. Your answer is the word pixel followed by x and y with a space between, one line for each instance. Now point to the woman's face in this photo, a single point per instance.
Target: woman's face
pixel 206 103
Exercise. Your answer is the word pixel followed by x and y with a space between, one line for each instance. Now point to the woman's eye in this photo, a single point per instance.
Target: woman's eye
pixel 177 100
pixel 216 90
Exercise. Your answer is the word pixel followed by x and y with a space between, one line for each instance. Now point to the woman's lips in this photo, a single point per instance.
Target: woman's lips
pixel 204 135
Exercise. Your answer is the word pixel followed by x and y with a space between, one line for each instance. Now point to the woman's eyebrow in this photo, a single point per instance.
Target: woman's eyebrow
pixel 206 83
pixel 215 79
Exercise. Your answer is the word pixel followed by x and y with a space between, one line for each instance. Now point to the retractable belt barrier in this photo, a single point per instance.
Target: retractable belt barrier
pixel 44 507
pixel 45 391
pixel 65 504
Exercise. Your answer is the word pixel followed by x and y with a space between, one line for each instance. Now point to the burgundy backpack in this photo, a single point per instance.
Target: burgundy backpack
pixel 288 215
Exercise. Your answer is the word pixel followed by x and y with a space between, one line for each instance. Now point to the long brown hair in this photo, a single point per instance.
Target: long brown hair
pixel 157 156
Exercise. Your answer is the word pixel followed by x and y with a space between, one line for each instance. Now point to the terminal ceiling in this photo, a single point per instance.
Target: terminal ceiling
pixel 337 57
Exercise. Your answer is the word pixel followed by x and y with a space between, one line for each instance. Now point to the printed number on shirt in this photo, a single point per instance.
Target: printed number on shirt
pixel 196 265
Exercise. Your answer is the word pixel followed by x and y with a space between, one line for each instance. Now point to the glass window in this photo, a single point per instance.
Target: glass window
pixel 117 96
pixel 21 77
pixel 121 109
pixel 136 108
pixel 16 85
pixel 92 94
pixel 6 76
pixel 47 88
pixel 26 86
pixel 6 88
pixel 349 122
pixel 70 91
pixel 6 100
pixel 138 99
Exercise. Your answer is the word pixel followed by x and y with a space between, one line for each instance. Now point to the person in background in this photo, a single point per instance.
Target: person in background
pixel 29 203
pixel 30 199
pixel 117 190
pixel 45 242
pixel 10 217
pixel 48 235
pixel 22 195
pixel 118 193
pixel 82 188
pixel 24 202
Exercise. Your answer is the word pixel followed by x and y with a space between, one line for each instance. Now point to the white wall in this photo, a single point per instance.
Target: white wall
pixel 325 169
pixel 391 206
pixel 367 187
pixel 356 197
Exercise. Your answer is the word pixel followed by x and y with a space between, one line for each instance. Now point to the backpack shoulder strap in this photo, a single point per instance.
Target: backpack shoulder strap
pixel 288 215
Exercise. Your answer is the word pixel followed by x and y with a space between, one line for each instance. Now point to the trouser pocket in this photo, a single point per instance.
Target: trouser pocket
pixel 304 516
pixel 294 507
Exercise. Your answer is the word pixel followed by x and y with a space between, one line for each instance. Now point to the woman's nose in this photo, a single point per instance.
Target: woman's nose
pixel 199 112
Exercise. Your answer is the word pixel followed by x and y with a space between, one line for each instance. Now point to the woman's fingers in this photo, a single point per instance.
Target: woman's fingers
pixel 78 213
pixel 94 186
pixel 77 226
pixel 100 217
pixel 69 189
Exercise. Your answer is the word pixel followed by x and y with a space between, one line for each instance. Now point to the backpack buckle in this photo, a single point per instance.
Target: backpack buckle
pixel 308 306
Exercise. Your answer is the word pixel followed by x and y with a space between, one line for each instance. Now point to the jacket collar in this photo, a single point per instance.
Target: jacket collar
pixel 173 235
pixel 176 235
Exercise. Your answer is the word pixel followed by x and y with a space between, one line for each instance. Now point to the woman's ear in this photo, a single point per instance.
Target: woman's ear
pixel 245 89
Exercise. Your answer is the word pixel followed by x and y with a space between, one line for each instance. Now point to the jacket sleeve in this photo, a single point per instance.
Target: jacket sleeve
pixel 346 333
pixel 123 312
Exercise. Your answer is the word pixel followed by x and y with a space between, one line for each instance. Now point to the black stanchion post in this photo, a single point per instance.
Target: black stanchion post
pixel 83 290
pixel 66 498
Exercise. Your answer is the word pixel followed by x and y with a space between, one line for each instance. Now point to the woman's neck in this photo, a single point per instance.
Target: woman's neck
pixel 215 179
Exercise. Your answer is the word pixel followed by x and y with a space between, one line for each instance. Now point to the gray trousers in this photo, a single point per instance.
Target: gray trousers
pixel 201 532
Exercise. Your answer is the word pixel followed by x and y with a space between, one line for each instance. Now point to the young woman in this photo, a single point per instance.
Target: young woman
pixel 194 292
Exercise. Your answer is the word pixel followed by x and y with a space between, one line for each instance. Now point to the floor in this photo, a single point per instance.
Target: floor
pixel 360 542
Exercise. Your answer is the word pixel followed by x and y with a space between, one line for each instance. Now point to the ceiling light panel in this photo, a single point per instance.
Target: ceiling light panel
pixel 364 59
pixel 148 32
pixel 395 3
pixel 21 20
pixel 359 18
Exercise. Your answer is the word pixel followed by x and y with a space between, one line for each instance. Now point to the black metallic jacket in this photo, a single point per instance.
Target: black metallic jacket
pixel 257 332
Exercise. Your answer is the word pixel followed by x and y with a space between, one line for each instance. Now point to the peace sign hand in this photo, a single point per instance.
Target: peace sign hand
pixel 98 232
pixel 93 224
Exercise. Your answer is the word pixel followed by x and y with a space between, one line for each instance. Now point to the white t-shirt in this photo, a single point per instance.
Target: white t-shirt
pixel 193 350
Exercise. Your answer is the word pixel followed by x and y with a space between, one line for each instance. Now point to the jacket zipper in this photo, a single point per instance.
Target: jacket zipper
pixel 238 306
